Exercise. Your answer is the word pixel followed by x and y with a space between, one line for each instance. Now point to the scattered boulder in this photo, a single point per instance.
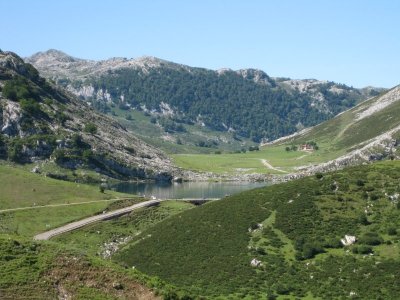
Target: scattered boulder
pixel 348 240
pixel 255 262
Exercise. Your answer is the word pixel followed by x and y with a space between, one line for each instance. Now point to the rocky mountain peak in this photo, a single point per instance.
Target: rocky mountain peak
pixel 52 55
pixel 256 75
pixel 11 61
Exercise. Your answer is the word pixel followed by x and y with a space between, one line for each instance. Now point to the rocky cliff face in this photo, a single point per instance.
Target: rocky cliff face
pixel 39 121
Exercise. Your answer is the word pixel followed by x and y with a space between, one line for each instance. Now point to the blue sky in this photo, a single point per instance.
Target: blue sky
pixel 353 42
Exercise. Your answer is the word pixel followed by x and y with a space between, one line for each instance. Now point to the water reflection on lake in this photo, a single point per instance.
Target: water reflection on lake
pixel 186 189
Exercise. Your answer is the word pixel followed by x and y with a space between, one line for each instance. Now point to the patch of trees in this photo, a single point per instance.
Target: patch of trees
pixel 207 143
pixel 223 101
pixel 170 126
pixel 19 88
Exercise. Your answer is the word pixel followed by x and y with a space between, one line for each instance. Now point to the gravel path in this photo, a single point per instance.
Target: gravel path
pixel 78 224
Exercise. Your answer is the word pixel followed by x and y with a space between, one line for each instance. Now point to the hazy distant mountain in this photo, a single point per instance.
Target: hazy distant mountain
pixel 247 102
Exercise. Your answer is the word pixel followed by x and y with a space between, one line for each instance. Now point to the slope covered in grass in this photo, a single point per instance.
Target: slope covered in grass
pixel 367 120
pixel 30 203
pixel 104 238
pixel 21 188
pixel 30 270
pixel 294 231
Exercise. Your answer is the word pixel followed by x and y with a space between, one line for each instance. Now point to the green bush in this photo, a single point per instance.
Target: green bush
pixel 90 128
pixel 19 88
pixel 14 152
pixel 371 238
pixel 362 249
pixel 363 219
pixel 31 107
pixel 59 155
pixel 310 250
pixel 360 182
pixel 87 155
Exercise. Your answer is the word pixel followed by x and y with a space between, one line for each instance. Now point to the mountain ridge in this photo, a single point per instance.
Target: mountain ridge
pixel 369 131
pixel 41 123
pixel 248 101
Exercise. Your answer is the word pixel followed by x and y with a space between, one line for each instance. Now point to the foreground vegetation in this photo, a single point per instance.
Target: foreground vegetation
pixel 61 269
pixel 32 270
pixel 293 232
pixel 104 238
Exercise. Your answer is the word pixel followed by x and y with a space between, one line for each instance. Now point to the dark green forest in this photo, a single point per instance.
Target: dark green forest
pixel 223 100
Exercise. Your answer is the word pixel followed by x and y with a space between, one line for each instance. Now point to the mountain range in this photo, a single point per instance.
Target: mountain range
pixel 247 102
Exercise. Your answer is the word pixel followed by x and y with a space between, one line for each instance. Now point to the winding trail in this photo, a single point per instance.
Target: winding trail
pixel 115 213
pixel 269 166
pixel 78 224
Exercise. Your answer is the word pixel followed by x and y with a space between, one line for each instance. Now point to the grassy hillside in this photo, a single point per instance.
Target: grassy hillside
pixel 191 139
pixel 294 231
pixel 30 203
pixel 104 238
pixel 31 270
pixel 20 188
pixel 359 124
pixel 349 131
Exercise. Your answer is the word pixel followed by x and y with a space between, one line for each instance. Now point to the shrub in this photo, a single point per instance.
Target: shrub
pixel 90 128
pixel 371 238
pixel 374 196
pixel 59 155
pixel 31 107
pixel 392 231
pixel 14 151
pixel 360 182
pixel 61 117
pixel 363 219
pixel 310 250
pixel 319 175
pixel 362 249
pixel 333 243
pixel 19 88
pixel 87 155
